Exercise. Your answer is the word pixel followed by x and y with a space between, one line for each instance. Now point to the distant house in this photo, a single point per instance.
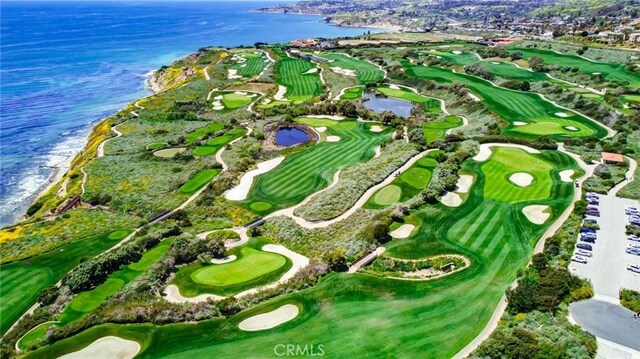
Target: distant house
pixel 612 158
pixel 304 43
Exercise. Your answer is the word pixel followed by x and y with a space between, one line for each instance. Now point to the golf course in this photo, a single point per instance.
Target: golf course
pixel 299 77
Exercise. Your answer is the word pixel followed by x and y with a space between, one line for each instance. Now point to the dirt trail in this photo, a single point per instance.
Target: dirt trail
pixel 628 177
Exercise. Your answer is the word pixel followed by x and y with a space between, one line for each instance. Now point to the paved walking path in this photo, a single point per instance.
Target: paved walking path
pixel 366 259
pixel 609 321
pixel 629 176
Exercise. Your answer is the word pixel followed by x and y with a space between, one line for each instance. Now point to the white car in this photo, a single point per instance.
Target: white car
pixel 633 268
pixel 580 252
pixel 632 250
pixel 633 237
pixel 579 259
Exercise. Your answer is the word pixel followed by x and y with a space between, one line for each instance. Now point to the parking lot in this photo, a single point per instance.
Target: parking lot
pixel 607 268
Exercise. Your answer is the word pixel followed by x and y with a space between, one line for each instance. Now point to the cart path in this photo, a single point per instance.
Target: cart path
pixel 628 177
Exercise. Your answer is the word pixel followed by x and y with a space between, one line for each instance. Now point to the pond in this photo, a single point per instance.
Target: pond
pixel 380 104
pixel 290 136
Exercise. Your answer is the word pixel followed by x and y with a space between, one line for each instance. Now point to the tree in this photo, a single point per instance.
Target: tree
pixel 537 63
pixel 336 261
pixel 516 55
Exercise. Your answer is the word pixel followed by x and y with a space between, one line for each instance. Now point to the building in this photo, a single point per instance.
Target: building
pixel 612 158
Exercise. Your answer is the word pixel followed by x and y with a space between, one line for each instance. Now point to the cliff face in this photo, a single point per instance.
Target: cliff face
pixel 168 77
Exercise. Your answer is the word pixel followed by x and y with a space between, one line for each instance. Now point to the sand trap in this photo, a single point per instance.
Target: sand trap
pixel 224 260
pixel 376 128
pixel 266 101
pixel 519 123
pixel 107 348
pixel 522 179
pixel 596 73
pixel 321 129
pixel 495 62
pixel 377 151
pixel 456 52
pixel 394 87
pixel 432 50
pixel 240 93
pixel 253 95
pixel 535 213
pixel 218 98
pixel 280 94
pixel 240 192
pixel 341 71
pixel 271 319
pixel 485 150
pixel 451 199
pixel 172 295
pixel 311 71
pixel 330 117
pixel 233 74
pixel 565 175
pixel 333 138
pixel 571 128
pixel 464 183
pixel 474 97
pixel 403 231
pixel 562 114
pixel 298 261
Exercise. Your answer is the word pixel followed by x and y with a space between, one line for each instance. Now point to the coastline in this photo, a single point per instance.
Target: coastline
pixel 388 27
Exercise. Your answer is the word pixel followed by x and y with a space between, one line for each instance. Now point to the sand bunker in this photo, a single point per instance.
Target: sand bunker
pixel 565 175
pixel 298 261
pixel 595 73
pixel 172 295
pixel 403 231
pixel 280 94
pixel 224 260
pixel 571 128
pixel 333 138
pixel 536 213
pixel 562 114
pixel 474 97
pixel 456 52
pixel 451 199
pixel 495 62
pixel 519 123
pixel 240 192
pixel 218 98
pixel 233 74
pixel 522 179
pixel 394 87
pixel 321 129
pixel 377 151
pixel 464 183
pixel 376 128
pixel 485 150
pixel 330 117
pixel 270 319
pixel 341 71
pixel 311 71
pixel 107 348
pixel 242 93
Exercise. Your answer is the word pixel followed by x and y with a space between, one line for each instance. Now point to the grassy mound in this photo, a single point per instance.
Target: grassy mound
pixel 199 180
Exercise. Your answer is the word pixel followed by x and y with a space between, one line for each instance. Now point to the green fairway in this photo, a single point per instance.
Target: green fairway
pixel 352 93
pixel 23 280
pixel 435 131
pixel 252 268
pixel 406 94
pixel 463 59
pixel 510 71
pixel 365 71
pixel 544 118
pixel 199 180
pixel 215 144
pixel 226 101
pixel 312 168
pixel 611 72
pixel 249 63
pixel 293 74
pixel 436 318
pixel 202 132
pixel 409 184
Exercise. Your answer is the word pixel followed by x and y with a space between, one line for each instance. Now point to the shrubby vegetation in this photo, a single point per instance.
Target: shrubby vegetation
pixel 630 299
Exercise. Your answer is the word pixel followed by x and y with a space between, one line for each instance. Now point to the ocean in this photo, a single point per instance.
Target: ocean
pixel 66 65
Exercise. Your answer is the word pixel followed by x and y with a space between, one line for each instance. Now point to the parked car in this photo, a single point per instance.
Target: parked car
pixel 632 250
pixel 586 247
pixel 637 246
pixel 592 194
pixel 595 208
pixel 579 259
pixel 593 213
pixel 591 220
pixel 633 237
pixel 588 239
pixel 635 222
pixel 633 268
pixel 580 252
pixel 587 230
pixel 589 235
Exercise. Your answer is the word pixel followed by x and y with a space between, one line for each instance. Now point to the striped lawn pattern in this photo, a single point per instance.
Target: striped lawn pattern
pixel 254 64
pixel 365 71
pixel 290 72
pixel 312 169
pixel 516 106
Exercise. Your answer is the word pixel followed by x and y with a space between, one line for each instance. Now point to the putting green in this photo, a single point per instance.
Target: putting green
pixel 88 301
pixel 514 106
pixel 388 195
pixel 226 101
pixel 205 131
pixel 251 265
pixel 215 144
pixel 119 234
pixel 352 93
pixel 416 177
pixel 435 131
pixel 199 180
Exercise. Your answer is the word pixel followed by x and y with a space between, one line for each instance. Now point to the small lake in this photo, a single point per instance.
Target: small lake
pixel 380 104
pixel 289 136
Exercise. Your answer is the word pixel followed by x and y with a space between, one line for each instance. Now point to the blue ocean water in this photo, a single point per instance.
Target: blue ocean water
pixel 65 65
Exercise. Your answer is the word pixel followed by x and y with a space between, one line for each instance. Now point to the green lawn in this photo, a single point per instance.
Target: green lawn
pixel 611 72
pixel 409 184
pixel 365 71
pixel 199 180
pixel 227 101
pixel 435 318
pixel 252 268
pixel 352 93
pixel 291 73
pixel 512 106
pixel 312 168
pixel 435 131
pixel 23 280
pixel 202 132
pixel 253 65
pixel 463 59
pixel 213 145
